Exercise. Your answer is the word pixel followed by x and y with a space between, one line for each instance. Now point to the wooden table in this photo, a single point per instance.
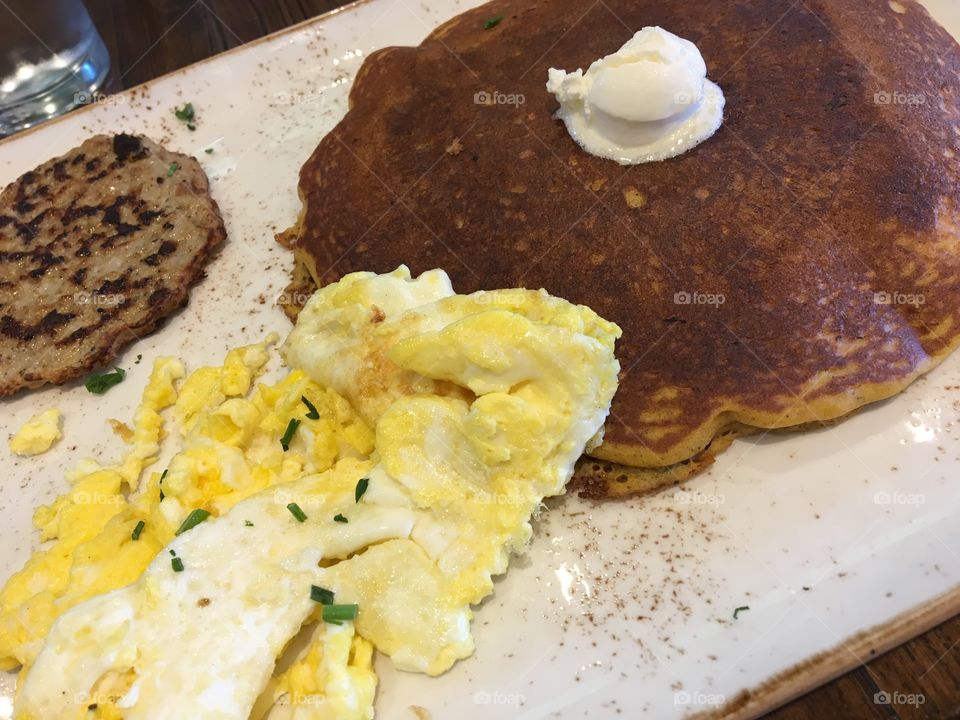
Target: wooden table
pixel 148 38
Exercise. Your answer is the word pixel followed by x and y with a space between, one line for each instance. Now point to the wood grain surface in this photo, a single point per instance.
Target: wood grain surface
pixel 148 38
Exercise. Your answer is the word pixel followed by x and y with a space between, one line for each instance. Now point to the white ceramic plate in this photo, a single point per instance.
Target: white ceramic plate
pixel 618 610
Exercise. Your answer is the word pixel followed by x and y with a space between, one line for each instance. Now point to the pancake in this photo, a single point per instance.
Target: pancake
pixel 798 265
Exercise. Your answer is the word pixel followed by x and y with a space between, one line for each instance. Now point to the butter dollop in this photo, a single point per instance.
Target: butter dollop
pixel 649 101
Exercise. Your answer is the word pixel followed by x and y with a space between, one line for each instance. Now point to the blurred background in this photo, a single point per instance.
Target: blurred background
pixel 147 38
pixel 59 54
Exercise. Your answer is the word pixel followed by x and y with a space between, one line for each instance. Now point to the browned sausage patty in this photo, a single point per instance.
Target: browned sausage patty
pixel 97 247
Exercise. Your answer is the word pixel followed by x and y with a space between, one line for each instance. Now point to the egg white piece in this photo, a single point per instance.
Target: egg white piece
pixel 202 642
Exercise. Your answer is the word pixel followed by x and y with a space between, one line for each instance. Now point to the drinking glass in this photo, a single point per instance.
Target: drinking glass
pixel 51 60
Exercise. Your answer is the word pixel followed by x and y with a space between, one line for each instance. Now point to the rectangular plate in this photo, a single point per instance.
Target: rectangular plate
pixel 841 541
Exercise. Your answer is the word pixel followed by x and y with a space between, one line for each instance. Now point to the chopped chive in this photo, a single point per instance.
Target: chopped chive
pixel 209 151
pixel 339 518
pixel 172 169
pixel 192 520
pixel 295 510
pixel 191 127
pixel 740 610
pixel 137 361
pixel 177 564
pixel 162 476
pixel 321 595
pixel 492 22
pixel 312 413
pixel 173 553
pixel 361 488
pixel 186 113
pixel 336 614
pixel 99 384
pixel 248 523
pixel 288 434
pixel 135 535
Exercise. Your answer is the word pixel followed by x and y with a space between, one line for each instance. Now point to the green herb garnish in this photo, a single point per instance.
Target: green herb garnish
pixel 740 610
pixel 135 535
pixel 137 361
pixel 312 412
pixel 321 595
pixel 297 512
pixel 361 488
pixel 248 523
pixel 209 151
pixel 172 169
pixel 186 113
pixel 336 614
pixel 192 520
pixel 339 518
pixel 99 384
pixel 288 434
pixel 177 564
pixel 162 496
pixel 492 22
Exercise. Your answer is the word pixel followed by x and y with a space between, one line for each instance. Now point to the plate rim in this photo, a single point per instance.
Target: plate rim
pixel 824 667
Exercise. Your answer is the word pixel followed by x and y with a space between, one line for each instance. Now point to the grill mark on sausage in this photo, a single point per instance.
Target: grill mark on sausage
pixel 48 324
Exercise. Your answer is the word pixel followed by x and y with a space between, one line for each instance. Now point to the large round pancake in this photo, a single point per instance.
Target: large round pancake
pixel 830 189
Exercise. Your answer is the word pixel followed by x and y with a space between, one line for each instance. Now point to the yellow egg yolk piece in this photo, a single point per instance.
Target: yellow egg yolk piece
pixel 38 434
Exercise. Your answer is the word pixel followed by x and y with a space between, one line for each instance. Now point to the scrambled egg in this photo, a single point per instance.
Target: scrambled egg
pixel 38 434
pixel 482 405
pixel 421 431
pixel 230 451
pixel 89 526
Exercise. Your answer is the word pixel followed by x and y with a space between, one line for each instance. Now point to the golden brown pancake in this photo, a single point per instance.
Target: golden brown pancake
pixel 798 265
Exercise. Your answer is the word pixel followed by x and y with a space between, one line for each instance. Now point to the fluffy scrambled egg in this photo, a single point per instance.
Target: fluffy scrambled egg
pixel 395 468
pixel 230 450
pixel 482 405
pixel 89 527
pixel 38 434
